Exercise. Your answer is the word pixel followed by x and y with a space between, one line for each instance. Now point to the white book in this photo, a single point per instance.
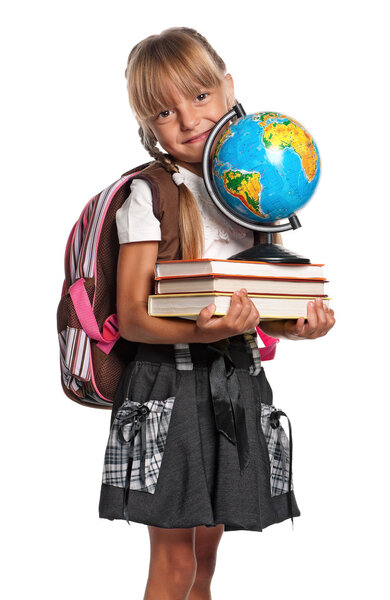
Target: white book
pixel 204 266
pixel 225 283
pixel 190 305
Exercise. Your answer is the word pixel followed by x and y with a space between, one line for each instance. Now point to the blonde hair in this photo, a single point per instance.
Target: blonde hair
pixel 185 58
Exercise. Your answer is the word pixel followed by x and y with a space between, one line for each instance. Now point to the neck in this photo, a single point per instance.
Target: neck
pixel 193 167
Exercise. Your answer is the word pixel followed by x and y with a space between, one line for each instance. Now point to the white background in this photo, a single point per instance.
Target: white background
pixel 68 132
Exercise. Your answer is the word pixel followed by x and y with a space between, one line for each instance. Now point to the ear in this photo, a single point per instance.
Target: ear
pixel 229 87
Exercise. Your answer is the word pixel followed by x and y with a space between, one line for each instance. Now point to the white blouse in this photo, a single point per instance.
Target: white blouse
pixel 136 222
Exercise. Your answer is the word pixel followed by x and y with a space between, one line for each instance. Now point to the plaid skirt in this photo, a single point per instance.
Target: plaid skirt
pixel 196 440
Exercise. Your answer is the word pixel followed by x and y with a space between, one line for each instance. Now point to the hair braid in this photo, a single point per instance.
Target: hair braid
pixel 190 221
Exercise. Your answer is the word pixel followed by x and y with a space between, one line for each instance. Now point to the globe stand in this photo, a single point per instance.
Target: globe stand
pixel 269 252
pixel 263 252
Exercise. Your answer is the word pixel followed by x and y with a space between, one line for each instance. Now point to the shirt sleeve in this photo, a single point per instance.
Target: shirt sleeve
pixel 135 219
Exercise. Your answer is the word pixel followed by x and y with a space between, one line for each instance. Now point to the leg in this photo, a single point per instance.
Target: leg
pixel 206 545
pixel 172 566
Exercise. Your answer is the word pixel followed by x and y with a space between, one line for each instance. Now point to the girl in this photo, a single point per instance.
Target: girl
pixel 187 453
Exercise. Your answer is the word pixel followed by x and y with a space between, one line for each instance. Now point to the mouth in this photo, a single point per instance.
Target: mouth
pixel 199 138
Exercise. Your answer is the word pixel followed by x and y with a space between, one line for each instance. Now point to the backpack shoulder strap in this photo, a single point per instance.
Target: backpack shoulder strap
pixel 139 168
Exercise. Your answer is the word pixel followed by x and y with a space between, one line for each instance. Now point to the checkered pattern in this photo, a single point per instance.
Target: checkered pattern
pixel 279 452
pixel 183 357
pixel 253 349
pixel 138 431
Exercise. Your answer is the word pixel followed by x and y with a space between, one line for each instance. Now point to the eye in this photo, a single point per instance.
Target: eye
pixel 164 114
pixel 203 96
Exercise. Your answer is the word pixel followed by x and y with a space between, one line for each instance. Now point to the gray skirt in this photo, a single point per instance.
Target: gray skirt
pixel 196 440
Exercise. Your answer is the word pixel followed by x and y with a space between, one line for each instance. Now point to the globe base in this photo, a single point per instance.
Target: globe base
pixel 274 253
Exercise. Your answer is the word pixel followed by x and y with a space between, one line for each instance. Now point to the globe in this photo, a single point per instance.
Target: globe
pixel 265 167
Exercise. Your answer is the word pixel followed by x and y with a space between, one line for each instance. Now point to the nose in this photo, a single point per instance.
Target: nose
pixel 189 118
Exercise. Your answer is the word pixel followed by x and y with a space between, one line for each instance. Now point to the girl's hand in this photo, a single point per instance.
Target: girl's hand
pixel 241 316
pixel 320 320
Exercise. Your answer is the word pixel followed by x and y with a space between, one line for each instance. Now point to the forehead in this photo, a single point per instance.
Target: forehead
pixel 168 89
pixel 172 95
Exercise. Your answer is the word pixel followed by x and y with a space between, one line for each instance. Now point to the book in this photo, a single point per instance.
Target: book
pixel 217 282
pixel 189 305
pixel 205 266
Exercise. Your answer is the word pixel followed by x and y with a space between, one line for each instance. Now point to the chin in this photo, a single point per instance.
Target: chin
pixel 192 159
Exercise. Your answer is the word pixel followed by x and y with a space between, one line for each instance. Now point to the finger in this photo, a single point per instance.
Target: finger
pixel 235 307
pixel 329 317
pixel 206 314
pixel 296 327
pixel 253 318
pixel 300 325
pixel 325 318
pixel 322 321
pixel 243 317
pixel 312 320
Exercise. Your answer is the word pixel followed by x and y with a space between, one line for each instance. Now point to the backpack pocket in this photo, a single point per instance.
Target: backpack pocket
pixel 75 353
pixel 136 444
pixel 279 451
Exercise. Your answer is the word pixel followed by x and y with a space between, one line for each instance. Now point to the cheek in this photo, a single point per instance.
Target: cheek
pixel 163 140
pixel 219 112
pixel 168 144
pixel 222 108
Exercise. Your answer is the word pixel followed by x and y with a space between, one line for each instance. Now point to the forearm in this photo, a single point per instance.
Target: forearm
pixel 274 328
pixel 141 327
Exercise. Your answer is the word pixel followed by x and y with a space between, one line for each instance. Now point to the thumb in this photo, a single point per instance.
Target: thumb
pixel 210 310
pixel 207 312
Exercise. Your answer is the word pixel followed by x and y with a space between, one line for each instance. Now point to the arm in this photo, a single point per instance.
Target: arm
pixel 135 277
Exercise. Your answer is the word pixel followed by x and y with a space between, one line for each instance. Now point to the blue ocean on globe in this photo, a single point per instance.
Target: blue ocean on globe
pixel 266 167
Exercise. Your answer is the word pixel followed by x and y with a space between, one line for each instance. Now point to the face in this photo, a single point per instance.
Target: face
pixel 182 130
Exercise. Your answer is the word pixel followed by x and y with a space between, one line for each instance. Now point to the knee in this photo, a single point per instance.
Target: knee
pixel 183 567
pixel 179 566
pixel 205 567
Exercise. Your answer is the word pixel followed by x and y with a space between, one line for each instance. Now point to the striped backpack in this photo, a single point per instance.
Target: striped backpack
pixel 93 355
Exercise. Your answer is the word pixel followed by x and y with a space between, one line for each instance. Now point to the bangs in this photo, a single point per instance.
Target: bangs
pixel 162 69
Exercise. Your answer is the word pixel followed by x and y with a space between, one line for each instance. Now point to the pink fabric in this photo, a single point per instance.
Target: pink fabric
pixel 110 331
pixel 85 220
pixel 87 319
pixel 267 353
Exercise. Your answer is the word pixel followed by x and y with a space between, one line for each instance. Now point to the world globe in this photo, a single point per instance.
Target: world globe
pixel 265 167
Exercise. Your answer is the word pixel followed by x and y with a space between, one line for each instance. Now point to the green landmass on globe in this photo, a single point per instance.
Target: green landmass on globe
pixel 266 166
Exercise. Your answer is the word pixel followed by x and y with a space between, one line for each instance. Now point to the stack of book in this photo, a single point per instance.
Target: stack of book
pixel 278 290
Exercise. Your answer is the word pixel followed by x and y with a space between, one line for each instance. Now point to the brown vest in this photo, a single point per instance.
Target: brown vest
pixel 165 208
pixel 166 203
